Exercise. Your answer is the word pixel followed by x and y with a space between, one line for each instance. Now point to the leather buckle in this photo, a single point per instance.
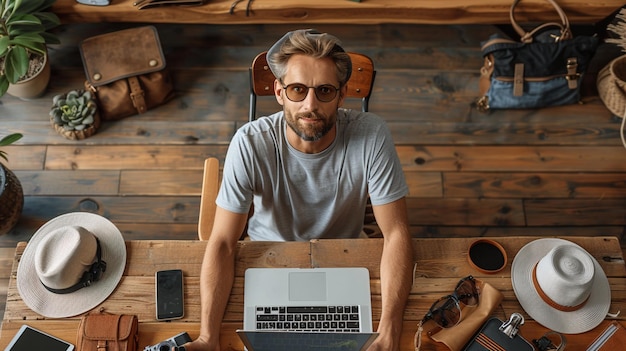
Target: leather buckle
pixel 572 76
pixel 137 95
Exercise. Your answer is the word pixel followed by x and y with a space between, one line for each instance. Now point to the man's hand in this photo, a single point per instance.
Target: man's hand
pixel 377 345
pixel 196 345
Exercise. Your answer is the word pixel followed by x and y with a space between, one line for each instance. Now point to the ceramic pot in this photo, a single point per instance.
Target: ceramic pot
pixel 11 199
pixel 32 87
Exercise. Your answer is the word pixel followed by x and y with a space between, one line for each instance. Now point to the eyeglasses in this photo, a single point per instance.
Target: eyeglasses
pixel 297 92
pixel 446 311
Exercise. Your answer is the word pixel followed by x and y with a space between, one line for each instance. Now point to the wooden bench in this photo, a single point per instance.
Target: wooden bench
pixel 338 11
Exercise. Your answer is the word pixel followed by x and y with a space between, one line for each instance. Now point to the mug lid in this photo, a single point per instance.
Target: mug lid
pixel 487 256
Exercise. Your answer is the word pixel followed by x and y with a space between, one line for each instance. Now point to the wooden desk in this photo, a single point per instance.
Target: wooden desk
pixel 440 264
pixel 339 11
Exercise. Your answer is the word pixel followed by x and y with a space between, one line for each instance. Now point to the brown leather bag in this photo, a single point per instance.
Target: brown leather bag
pixel 126 70
pixel 110 332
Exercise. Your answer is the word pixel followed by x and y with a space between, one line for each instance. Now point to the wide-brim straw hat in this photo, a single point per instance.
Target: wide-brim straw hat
pixel 60 305
pixel 560 285
pixel 611 84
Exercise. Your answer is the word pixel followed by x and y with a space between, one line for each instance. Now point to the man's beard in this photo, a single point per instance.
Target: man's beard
pixel 312 132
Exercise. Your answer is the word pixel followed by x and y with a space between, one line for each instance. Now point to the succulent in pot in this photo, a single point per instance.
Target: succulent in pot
pixel 75 114
pixel 24 35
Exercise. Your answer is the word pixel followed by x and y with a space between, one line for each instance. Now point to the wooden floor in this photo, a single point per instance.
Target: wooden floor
pixel 549 172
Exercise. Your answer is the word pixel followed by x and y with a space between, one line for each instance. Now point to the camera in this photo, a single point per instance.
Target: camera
pixel 175 341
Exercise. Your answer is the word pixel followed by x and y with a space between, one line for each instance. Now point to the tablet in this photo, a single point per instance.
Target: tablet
pixel 29 339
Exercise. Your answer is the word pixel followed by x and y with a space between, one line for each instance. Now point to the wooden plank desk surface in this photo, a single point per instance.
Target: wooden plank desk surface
pixel 440 264
pixel 339 11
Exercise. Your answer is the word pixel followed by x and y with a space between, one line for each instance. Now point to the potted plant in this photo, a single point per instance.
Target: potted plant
pixel 11 194
pixel 24 36
pixel 75 114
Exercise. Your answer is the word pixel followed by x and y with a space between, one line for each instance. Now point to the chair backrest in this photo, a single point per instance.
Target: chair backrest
pixel 359 86
pixel 210 185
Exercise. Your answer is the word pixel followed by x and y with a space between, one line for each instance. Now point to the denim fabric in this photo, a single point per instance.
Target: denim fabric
pixel 553 92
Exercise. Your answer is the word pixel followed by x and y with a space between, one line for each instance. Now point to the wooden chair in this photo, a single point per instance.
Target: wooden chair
pixel 210 185
pixel 359 86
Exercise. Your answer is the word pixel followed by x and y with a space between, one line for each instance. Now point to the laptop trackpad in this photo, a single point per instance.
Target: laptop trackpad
pixel 307 286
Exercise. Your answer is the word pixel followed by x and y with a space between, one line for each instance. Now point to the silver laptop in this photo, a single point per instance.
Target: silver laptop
pixel 301 307
pixel 305 341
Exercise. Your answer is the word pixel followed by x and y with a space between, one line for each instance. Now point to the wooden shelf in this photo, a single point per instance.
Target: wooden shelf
pixel 339 11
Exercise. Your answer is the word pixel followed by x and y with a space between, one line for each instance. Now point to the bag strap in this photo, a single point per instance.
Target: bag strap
pixel 137 95
pixel 621 129
pixel 527 37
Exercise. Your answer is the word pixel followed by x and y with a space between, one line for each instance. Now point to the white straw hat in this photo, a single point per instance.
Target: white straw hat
pixel 561 285
pixel 71 265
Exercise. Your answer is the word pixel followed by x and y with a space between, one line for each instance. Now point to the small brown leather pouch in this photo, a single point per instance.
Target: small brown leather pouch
pixel 105 331
pixel 127 72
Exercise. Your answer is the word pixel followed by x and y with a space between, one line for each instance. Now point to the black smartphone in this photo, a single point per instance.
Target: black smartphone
pixel 169 294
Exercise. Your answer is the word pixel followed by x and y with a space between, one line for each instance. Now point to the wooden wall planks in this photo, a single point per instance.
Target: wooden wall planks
pixel 554 171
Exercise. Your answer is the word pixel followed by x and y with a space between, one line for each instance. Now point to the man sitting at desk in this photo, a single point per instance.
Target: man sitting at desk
pixel 308 171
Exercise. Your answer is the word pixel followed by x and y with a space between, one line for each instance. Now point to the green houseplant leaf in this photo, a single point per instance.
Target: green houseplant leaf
pixel 8 140
pixel 24 32
pixel 16 64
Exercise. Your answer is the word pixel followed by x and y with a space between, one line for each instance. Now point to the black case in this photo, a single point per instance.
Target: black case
pixel 490 337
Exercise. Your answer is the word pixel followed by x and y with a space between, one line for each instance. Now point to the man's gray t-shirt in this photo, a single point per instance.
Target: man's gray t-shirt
pixel 300 196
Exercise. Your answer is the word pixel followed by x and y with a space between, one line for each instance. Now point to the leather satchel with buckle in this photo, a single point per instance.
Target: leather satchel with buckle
pixel 106 332
pixel 126 70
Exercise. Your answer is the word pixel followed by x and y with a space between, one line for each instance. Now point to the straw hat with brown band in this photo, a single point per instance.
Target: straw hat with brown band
pixel 560 285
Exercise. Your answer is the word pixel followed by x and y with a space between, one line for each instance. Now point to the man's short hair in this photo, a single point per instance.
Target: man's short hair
pixel 312 43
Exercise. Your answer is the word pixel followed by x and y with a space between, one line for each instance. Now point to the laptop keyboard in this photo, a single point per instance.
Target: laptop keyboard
pixel 309 318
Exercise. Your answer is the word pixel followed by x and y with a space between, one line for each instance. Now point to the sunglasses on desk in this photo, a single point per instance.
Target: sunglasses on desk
pixel 446 312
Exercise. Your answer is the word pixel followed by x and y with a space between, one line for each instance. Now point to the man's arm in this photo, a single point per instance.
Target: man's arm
pixel 396 269
pixel 217 276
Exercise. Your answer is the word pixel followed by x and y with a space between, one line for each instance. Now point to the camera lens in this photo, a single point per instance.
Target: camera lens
pixel 164 347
